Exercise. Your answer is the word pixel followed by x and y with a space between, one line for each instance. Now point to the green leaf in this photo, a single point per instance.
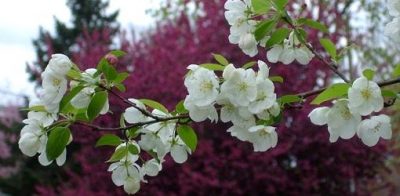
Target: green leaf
pixel 261 6
pixel 276 79
pixel 213 66
pixel 132 133
pixel 332 92
pixel 120 153
pixel 118 53
pixel 221 59
pixel 281 4
pixel 278 36
pixel 313 24
pixel 389 94
pixel 108 140
pixel 396 71
pixel 73 74
pixel 66 99
pixel 180 108
pixel 249 64
pixel 36 108
pixel 57 141
pixel 109 71
pixel 120 87
pixel 289 99
pixel 368 73
pixel 154 104
pixel 264 28
pixel 329 47
pixel 133 149
pixel 188 136
pixel 121 77
pixel 96 104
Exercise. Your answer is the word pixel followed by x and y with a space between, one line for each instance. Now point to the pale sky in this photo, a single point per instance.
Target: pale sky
pixel 19 25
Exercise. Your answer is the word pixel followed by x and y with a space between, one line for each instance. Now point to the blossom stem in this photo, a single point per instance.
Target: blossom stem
pixel 315 92
pixel 139 124
pixel 143 111
pixel 332 65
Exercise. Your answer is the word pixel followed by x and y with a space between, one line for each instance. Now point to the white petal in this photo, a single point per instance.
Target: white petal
pixel 131 186
pixel 119 175
pixel 274 54
pixel 179 153
pixel 43 160
pixel 60 160
pixel 319 115
pixel 29 144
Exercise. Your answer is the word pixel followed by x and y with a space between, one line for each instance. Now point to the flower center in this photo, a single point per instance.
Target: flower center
pixel 377 127
pixel 243 86
pixel 366 94
pixel 345 113
pixel 56 82
pixel 206 86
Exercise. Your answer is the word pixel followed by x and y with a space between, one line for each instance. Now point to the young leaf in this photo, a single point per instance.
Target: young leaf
pixel 109 71
pixel 133 149
pixel 388 93
pixel 36 108
pixel 188 136
pixel 276 79
pixel 118 53
pixel 154 104
pixel 280 4
pixel 332 92
pixel 121 77
pixel 278 36
pixel 96 104
pixel 261 6
pixel 66 99
pixel 108 140
pixel 221 59
pixel 313 24
pixel 213 66
pixel 73 74
pixel 57 141
pixel 264 28
pixel 249 64
pixel 180 108
pixel 396 71
pixel 118 154
pixel 329 47
pixel 120 87
pixel 369 74
pixel 289 99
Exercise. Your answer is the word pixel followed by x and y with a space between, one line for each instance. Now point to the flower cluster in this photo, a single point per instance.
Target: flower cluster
pixel 292 49
pixel 238 15
pixel 244 98
pixel 126 172
pixel 344 118
pixel 392 29
pixel 34 134
pixel 156 138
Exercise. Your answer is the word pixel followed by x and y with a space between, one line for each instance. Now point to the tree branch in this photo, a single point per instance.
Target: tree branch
pixel 139 124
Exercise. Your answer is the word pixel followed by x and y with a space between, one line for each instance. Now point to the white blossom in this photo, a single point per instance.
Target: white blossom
pixel 198 113
pixel 365 97
pixel 370 130
pixel 341 122
pixel 152 167
pixel 203 86
pixel 241 87
pixel 54 88
pixel 179 151
pixel 33 137
pixel 393 7
pixel 392 29
pixel 133 115
pixel 59 64
pixel 248 44
pixel 263 137
pixel 164 130
pixel 127 174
